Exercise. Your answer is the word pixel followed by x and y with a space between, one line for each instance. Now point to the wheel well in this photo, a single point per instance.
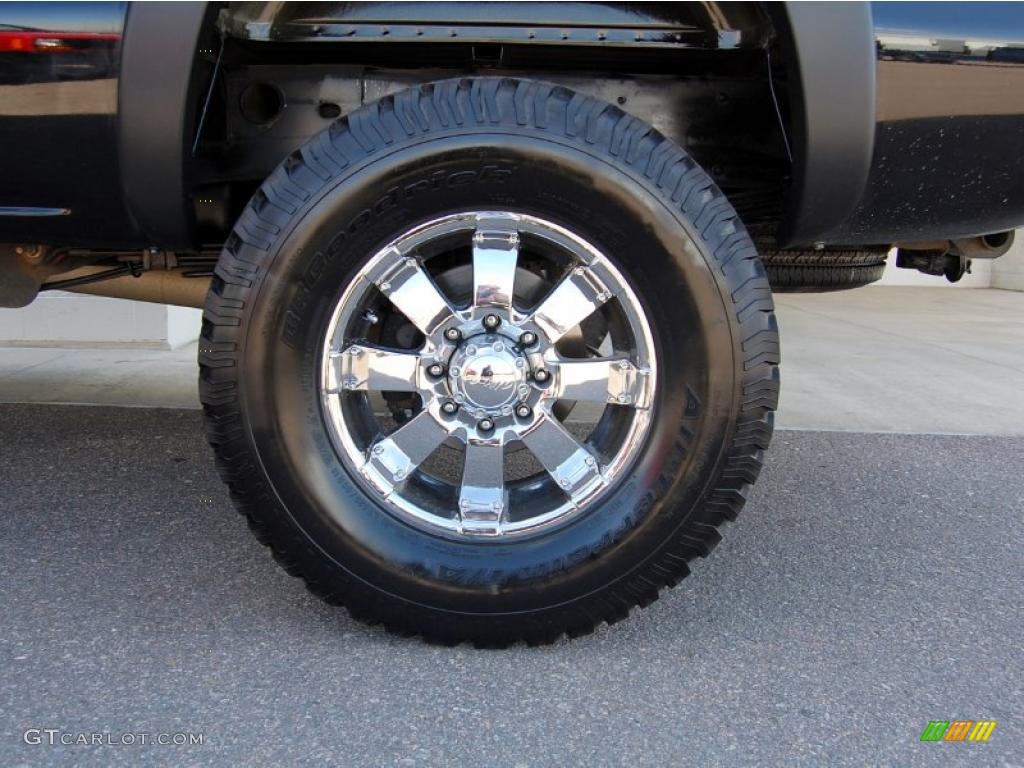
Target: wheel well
pixel 776 101
pixel 161 76
pixel 702 76
pixel 827 52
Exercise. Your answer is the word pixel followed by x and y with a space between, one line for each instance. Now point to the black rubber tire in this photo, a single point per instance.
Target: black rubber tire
pixel 812 271
pixel 535 148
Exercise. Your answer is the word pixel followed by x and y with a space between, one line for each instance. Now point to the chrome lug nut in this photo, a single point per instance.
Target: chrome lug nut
pixel 524 411
pixel 541 375
pixel 491 322
pixel 528 339
pixel 449 407
pixel 452 334
pixel 485 424
pixel 436 370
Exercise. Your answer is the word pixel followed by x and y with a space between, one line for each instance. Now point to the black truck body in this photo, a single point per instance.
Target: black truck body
pixel 124 125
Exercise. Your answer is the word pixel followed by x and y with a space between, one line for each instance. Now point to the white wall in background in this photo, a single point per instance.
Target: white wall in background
pixel 61 319
pixel 1008 269
pixel 183 324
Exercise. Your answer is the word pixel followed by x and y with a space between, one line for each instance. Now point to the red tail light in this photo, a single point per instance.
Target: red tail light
pixel 48 42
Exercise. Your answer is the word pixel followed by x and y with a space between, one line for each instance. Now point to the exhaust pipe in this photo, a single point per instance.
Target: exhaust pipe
pixel 990 246
pixel 952 258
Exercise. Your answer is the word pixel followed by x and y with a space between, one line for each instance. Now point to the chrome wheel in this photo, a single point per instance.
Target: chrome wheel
pixel 517 365
pixel 477 427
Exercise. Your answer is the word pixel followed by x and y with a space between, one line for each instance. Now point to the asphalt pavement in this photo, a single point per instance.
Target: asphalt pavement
pixel 872 584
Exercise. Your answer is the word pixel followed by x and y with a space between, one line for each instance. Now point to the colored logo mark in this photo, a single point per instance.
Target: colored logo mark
pixel 958 730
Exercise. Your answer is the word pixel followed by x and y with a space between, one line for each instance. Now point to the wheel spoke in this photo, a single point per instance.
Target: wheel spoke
pixel 572 301
pixel 495 254
pixel 410 289
pixel 482 501
pixel 369 368
pixel 566 460
pixel 601 380
pixel 392 459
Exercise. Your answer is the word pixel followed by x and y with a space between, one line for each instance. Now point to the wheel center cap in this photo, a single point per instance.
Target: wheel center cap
pixel 487 373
